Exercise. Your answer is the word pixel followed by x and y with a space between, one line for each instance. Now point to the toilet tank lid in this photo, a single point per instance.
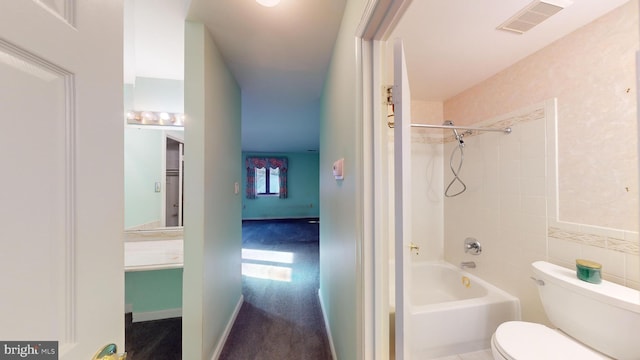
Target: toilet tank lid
pixel 606 291
pixel 529 341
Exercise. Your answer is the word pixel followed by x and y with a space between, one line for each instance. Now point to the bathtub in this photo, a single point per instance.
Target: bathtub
pixel 450 315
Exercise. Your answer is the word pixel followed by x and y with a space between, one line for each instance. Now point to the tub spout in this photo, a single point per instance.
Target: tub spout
pixel 468 264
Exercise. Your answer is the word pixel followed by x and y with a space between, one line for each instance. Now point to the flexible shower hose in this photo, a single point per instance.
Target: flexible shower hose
pixel 456 172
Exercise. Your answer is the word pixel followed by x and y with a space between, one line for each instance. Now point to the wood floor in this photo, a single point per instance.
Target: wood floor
pixel 280 319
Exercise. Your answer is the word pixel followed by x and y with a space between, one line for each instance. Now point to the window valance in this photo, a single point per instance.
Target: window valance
pixel 252 163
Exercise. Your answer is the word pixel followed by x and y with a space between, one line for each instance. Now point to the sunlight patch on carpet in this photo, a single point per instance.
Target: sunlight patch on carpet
pixel 269 272
pixel 283 257
pixel 261 264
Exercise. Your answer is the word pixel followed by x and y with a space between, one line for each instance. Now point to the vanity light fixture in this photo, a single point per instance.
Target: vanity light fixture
pixel 154 118
pixel 268 3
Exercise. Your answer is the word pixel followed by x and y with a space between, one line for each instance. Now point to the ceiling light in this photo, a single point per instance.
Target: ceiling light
pixel 268 3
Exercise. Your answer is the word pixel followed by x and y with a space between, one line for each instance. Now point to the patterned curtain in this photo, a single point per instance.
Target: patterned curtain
pixel 274 163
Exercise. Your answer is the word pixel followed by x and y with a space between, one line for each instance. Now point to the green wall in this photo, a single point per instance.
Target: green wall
pixel 213 211
pixel 303 188
pixel 341 208
pixel 142 168
pixel 153 290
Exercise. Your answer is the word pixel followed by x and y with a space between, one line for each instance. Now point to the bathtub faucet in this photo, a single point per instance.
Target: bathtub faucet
pixel 468 264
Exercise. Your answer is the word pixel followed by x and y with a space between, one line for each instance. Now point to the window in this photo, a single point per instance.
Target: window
pixel 266 176
pixel 267 181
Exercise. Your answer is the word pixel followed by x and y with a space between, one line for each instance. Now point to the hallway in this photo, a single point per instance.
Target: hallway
pixel 280 319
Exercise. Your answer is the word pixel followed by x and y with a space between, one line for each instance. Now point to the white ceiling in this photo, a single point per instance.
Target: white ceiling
pixel 452 45
pixel 281 52
pixel 280 55
pixel 154 39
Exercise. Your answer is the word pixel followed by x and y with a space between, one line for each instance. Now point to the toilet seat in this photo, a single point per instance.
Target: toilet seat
pixel 519 340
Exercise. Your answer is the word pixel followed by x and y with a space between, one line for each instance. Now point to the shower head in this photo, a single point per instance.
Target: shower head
pixel 455 132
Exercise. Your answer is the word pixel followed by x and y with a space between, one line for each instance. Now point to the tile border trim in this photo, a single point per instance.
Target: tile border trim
pixel 601 241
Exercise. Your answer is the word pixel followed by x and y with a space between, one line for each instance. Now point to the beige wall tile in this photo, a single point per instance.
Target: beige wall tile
pixel 632 263
pixel 564 251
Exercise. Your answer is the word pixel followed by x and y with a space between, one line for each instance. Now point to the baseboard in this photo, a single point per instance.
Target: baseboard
pixel 157 315
pixel 327 328
pixel 227 329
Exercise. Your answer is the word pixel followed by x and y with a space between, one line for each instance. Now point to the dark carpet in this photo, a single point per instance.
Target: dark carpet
pixel 153 340
pixel 280 319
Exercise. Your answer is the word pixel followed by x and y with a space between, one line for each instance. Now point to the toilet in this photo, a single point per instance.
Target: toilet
pixel 594 321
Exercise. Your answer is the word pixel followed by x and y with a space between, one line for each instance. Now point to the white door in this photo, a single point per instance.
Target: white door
pixel 402 180
pixel 61 252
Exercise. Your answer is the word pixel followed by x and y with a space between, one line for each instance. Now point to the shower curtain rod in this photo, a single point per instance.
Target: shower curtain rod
pixel 506 130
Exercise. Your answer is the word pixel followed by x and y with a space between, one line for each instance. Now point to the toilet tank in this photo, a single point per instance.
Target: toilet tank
pixel 604 316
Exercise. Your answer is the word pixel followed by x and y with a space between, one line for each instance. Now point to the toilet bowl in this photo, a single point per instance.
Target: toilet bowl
pixel 519 340
pixel 594 321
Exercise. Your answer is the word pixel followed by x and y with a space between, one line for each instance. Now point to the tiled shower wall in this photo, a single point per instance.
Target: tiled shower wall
pixel 510 207
pixel 505 205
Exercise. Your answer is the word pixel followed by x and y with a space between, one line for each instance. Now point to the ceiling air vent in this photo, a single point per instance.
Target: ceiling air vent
pixel 532 15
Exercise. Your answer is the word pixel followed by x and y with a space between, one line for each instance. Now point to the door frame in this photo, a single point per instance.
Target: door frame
pixel 163 179
pixel 379 19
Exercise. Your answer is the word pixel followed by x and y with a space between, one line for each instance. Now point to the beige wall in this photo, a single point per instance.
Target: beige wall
pixel 589 71
pixel 511 204
pixel 213 226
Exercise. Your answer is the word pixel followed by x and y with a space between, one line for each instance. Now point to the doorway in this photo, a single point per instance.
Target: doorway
pixel 174 180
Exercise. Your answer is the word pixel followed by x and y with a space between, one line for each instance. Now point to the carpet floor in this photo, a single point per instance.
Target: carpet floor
pixel 154 340
pixel 280 318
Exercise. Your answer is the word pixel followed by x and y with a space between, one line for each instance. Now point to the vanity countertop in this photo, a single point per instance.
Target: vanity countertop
pixel 153 255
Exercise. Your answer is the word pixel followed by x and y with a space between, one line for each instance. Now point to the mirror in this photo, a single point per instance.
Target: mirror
pixel 153 171
pixel 154 174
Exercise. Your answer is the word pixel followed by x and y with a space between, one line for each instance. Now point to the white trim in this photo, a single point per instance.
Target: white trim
pixel 381 211
pixel 163 181
pixel 227 329
pixel 378 20
pixel 368 253
pixel 157 315
pixel 327 328
pixel 128 308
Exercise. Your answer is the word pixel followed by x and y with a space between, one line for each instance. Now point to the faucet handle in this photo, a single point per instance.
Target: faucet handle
pixel 472 245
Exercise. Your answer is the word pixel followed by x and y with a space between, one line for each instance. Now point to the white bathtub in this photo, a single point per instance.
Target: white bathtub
pixel 450 318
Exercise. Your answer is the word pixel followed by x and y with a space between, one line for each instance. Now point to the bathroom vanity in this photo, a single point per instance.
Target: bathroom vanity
pixel 153 250
pixel 153 263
